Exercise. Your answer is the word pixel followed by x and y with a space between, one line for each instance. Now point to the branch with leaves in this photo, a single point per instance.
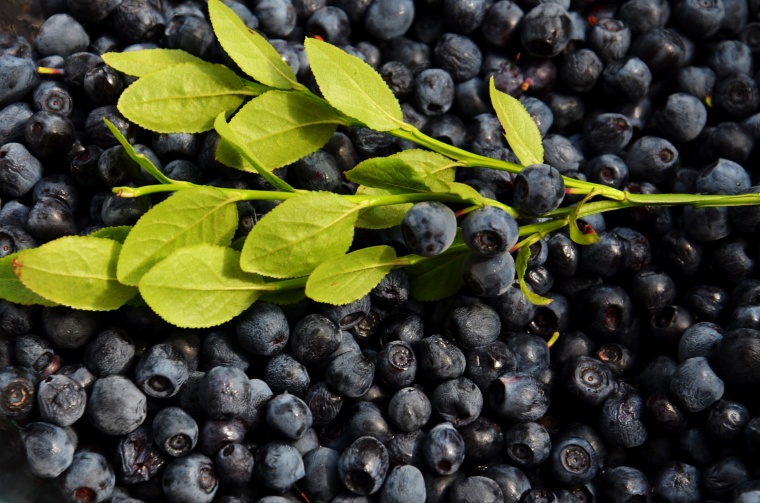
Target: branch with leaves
pixel 180 258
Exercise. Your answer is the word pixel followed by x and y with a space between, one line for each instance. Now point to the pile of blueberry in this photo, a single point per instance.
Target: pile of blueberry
pixel 650 392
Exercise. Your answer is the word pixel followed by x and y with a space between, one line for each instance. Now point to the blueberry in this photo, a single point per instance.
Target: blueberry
pixel 53 97
pixel 19 170
pixel 97 131
pixel 458 401
pixel 677 481
pixel 588 379
pixel 13 119
pixel 726 420
pixel 682 118
pixel 321 481
pixel 110 353
pixel 288 416
pixel 348 315
pixel 443 449
pixel 396 365
pixel 318 171
pixel 387 19
pixel 621 419
pixel 138 21
pixel 279 465
pixel 367 419
pixel 538 189
pixel 262 329
pixel 459 55
pixel 330 23
pixel 573 461
pixel 607 133
pixel 34 352
pixel 89 11
pixel 103 85
pixel 625 484
pixel 696 385
pixel 433 92
pixel 116 406
pixel 234 464
pixel 190 479
pixel 736 95
pixel 488 276
pixel 545 30
pixel 627 79
pixel 514 309
pixel 61 34
pixel 527 445
pixel 489 231
pixel 137 459
pixel 61 400
pixel 174 431
pixel 225 392
pixel 220 348
pixel 49 449
pixel 48 134
pixel 277 18
pixel 512 481
pixel 440 358
pixel 88 478
pixel 723 177
pixel 215 434
pixel 652 159
pixel 17 392
pixel 531 352
pixel 580 70
pixel 473 325
pixel 351 374
pixel 518 396
pixel 475 488
pixel 284 373
pixel 405 484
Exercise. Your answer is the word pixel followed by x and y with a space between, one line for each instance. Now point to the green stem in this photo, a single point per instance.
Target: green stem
pixel 287 284
pixel 409 260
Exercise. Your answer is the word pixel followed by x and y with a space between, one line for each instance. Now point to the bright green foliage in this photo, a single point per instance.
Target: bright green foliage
pixel 75 271
pixel 521 265
pixel 353 87
pixel 13 290
pixel 520 129
pixel 185 98
pixel 140 159
pixel 252 53
pixel 299 234
pixel 394 175
pixel 575 233
pixel 141 63
pixel 380 217
pixel 245 154
pixel 279 128
pixel 429 163
pixel 344 279
pixel 191 216
pixel 200 286
pixel 466 192
pixel 118 233
pixel 438 277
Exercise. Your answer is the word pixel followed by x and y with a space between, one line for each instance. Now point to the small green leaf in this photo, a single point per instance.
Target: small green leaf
pixel 380 217
pixel 578 236
pixel 230 139
pixel 200 286
pixel 394 175
pixel 353 87
pixel 13 290
pixel 252 53
pixel 520 129
pixel 466 192
pixel 141 63
pixel 75 271
pixel 437 277
pixel 185 98
pixel 118 233
pixel 345 279
pixel 284 297
pixel 429 163
pixel 521 265
pixel 190 216
pixel 279 128
pixel 299 234
pixel 140 159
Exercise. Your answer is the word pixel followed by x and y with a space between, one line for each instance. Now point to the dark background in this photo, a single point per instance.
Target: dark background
pixel 21 17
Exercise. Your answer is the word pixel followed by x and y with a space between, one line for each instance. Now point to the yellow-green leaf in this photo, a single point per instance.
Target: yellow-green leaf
pixel 118 233
pixel 521 265
pixel 429 163
pixel 13 290
pixel 437 277
pixel 380 217
pixel 520 129
pixel 141 63
pixel 394 175
pixel 75 271
pixel 140 159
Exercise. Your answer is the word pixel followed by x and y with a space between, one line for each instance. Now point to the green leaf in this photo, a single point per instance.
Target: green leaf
pixel 185 98
pixel 520 129
pixel 466 192
pixel 299 234
pixel 380 217
pixel 188 217
pixel 284 297
pixel 345 279
pixel 13 290
pixel 429 163
pixel 118 233
pixel 229 137
pixel 140 159
pixel 521 265
pixel 200 286
pixel 394 175
pixel 437 277
pixel 252 53
pixel 141 63
pixel 589 236
pixel 353 87
pixel 279 128
pixel 75 271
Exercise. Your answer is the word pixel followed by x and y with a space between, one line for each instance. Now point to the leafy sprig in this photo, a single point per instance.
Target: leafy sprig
pixel 180 259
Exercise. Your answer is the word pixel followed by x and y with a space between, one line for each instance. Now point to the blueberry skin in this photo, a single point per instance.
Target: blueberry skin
pixel 19 170
pixel 700 339
pixel 284 373
pixel 433 92
pixel 396 365
pixel 625 484
pixel 439 358
pixel 348 315
pixel 610 39
pixel 700 19
pixel 627 79
pixel 351 374
pixel 573 461
pixel 726 420
pixel 486 363
pixel 116 406
pixel 137 458
pixel 545 30
pixel 580 70
pixel 367 419
pixel 736 95
pixel 234 463
pixel 279 465
pixel 49 449
pixel 652 159
pixel 215 434
pixel 459 55
pixel 443 449
pixel 527 445
pixel 89 11
pixel 33 352
pixel 324 403
pixel 53 97
pixel 219 348
pixel 110 353
pixel 409 409
pixel 473 325
pixel 321 481
pixel 288 416
pixel 538 189
pixel 458 401
pixel 511 480
pixel 621 420
pixel 190 479
pixel 531 352
pixel 607 133
pixel 588 379
pixel 331 23
pixel 488 276
pixel 48 134
pixel 696 385
pixel 161 371
pixel 17 392
pixel 262 329
pixel 61 400
pixel 405 484
pixel 723 177
pixel 318 171
pixel 682 117
pixel 13 119
pixel 62 35
pixel 277 18
pixel 517 396
pixel 88 478
pixel 175 432
pixel 490 231
pixel 739 356
pixel 677 481
pixel 387 19
pixel 225 392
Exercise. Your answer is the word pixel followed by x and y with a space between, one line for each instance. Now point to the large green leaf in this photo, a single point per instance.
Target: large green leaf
pixel 380 217
pixel 299 234
pixel 190 216
pixel 13 290
pixel 353 87
pixel 394 175
pixel 200 286
pixel 118 233
pixel 279 128
pixel 437 277
pixel 520 129
pixel 252 53
pixel 141 63
pixel 185 98
pixel 345 279
pixel 75 271
pixel 429 163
